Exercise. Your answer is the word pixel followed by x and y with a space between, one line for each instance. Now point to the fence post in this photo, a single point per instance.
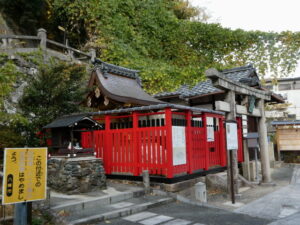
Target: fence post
pixel 223 152
pixel 108 146
pixel 204 121
pixel 169 144
pixel 5 43
pixel 189 144
pixel 70 52
pixel 93 54
pixel 42 34
pixel 135 141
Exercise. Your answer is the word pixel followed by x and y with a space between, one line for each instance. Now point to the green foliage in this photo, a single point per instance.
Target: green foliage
pixel 35 57
pixel 57 90
pixel 8 75
pixel 159 38
pixel 163 40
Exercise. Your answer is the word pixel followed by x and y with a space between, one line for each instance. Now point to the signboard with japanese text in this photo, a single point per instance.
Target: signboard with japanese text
pixel 231 136
pixel 179 145
pixel 25 175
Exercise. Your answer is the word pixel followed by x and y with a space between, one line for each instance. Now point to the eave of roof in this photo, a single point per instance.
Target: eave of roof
pixel 151 108
pixel 123 89
pixel 68 121
pixel 286 122
pixel 206 88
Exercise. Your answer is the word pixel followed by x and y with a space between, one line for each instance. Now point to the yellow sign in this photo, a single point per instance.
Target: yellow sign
pixel 25 175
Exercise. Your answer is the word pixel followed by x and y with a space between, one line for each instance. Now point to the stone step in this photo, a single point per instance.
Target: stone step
pixel 120 209
pixel 79 205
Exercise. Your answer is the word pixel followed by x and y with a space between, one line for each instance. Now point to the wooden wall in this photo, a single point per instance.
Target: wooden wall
pixel 288 138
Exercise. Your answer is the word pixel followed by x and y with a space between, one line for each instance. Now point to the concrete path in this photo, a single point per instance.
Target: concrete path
pixel 179 213
pixel 116 201
pixel 282 205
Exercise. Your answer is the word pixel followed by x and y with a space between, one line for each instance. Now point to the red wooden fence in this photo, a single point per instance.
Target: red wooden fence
pixel 147 144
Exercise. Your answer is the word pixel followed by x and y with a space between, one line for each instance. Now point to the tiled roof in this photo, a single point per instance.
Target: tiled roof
pixel 67 121
pixel 287 122
pixel 107 68
pixel 245 74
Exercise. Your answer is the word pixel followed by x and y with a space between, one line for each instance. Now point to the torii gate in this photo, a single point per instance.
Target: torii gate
pixel 229 106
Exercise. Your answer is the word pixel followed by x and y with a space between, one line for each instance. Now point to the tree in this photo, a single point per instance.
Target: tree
pixel 58 89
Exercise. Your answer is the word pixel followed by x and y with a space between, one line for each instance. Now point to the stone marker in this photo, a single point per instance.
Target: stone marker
pixel 200 192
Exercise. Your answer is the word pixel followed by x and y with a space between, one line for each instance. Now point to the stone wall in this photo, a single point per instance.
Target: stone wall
pixel 76 175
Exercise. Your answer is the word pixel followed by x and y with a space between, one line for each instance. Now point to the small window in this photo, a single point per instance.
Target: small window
pixel 283 87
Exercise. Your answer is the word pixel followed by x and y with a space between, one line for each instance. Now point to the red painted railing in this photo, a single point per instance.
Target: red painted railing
pixel 147 145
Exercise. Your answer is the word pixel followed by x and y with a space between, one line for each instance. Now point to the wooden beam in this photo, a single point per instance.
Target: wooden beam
pixel 222 82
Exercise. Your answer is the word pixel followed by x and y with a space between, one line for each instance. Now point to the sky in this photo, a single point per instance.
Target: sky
pixel 264 15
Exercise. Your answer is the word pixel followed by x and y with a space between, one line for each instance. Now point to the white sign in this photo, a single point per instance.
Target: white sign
pixel 210 134
pixel 179 145
pixel 231 136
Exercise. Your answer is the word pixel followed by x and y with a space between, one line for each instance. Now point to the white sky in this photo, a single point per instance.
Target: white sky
pixel 264 15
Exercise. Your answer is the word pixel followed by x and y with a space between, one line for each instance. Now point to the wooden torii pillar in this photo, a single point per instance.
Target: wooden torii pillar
pixel 232 88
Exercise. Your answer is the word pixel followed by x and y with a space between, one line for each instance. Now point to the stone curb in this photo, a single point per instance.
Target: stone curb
pixel 121 212
pixel 74 206
pixel 186 200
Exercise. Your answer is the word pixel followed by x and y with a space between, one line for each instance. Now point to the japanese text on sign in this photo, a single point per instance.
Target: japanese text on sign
pixel 25 172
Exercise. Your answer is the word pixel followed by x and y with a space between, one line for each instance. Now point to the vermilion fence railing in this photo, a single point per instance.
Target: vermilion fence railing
pixel 147 145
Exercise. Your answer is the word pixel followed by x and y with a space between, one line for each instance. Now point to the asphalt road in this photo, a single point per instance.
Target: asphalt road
pixel 183 214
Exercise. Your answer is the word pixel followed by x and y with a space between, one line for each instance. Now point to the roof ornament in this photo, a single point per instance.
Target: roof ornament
pixel 97 92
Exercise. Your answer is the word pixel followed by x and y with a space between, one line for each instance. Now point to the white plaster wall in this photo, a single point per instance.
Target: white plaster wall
pixel 293 97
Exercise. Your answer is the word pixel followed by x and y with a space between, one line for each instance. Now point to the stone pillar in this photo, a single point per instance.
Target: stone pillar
pixel 146 181
pixel 246 166
pixel 230 98
pixel 93 54
pixel 200 192
pixel 263 143
pixel 42 34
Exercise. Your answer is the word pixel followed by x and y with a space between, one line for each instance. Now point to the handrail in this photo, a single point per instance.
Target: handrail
pixel 67 47
pixel 42 37
pixel 11 36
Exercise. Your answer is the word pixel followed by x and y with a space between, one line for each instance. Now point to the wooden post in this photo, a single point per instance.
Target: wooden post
pixel 169 144
pixel 135 125
pixel 204 122
pixel 263 143
pixel 107 150
pixel 222 142
pixel 188 117
pixel 230 98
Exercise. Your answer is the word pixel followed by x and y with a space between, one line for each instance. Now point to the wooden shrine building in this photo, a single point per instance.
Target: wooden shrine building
pixel 115 87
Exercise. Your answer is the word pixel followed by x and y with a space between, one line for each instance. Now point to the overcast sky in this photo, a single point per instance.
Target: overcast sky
pixel 264 15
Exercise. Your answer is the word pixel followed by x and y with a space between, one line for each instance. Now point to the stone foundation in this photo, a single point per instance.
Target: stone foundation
pixel 76 175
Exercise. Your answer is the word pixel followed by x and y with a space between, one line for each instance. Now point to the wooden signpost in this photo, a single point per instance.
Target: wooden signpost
pixel 24 179
pixel 231 144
